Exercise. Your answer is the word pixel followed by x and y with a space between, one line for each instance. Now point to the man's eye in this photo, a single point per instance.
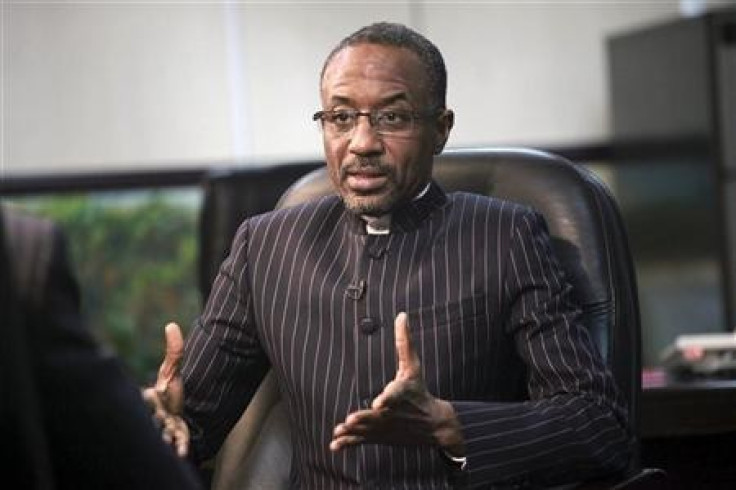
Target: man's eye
pixel 389 116
pixel 394 118
pixel 342 117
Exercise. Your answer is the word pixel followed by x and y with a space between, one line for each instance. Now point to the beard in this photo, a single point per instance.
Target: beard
pixel 378 203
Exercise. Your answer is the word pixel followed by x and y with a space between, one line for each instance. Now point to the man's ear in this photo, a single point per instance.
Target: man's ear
pixel 444 122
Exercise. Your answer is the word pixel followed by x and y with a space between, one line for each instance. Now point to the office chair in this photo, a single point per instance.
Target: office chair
pixel 231 195
pixel 590 241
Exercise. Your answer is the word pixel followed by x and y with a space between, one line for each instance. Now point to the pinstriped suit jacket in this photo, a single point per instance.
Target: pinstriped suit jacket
pixel 306 291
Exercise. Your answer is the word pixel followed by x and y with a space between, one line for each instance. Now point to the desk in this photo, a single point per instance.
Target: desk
pixel 689 430
pixel 688 409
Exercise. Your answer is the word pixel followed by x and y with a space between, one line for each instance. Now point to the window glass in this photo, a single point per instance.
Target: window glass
pixel 135 255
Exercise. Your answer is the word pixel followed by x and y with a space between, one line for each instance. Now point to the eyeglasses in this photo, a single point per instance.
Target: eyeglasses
pixel 386 122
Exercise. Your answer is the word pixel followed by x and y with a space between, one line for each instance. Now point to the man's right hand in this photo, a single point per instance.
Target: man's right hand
pixel 166 397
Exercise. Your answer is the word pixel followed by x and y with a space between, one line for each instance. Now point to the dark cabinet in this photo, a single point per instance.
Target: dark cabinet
pixel 673 102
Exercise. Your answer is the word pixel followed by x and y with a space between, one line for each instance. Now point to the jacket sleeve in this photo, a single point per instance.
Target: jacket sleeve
pixel 223 359
pixel 574 424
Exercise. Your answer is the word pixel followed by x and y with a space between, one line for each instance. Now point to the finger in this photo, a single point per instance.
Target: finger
pixel 176 433
pixel 390 393
pixel 343 441
pixel 407 359
pixel 357 424
pixel 151 398
pixel 154 402
pixel 182 439
pixel 182 447
pixel 355 430
pixel 356 418
pixel 174 351
pixel 169 430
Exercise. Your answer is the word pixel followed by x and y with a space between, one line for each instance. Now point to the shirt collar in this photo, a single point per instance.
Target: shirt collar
pixel 408 217
pixel 381 225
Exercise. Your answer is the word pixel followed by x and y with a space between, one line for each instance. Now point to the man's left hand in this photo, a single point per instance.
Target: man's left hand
pixel 405 412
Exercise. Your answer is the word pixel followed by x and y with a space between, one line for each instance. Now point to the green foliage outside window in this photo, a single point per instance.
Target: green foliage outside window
pixel 135 255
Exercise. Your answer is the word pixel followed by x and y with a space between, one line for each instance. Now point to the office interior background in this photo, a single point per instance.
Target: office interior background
pixel 114 111
pixel 109 84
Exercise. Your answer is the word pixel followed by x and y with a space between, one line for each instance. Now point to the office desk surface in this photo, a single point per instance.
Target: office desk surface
pixel 688 408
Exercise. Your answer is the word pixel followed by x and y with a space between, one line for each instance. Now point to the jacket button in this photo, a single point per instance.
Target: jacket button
pixel 368 325
pixel 376 252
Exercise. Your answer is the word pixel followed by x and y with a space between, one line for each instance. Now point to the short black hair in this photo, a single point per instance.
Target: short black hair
pixel 400 36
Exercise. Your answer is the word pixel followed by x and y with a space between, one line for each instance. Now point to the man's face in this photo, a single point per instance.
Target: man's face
pixel 374 173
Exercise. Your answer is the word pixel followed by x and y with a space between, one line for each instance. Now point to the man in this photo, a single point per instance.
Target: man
pixel 398 319
pixel 69 417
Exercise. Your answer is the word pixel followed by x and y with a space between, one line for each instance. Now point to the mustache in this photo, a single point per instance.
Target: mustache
pixel 362 164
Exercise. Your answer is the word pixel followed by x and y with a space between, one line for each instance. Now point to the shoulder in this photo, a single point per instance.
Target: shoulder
pixel 312 214
pixel 309 211
pixel 497 217
pixel 24 230
pixel 31 243
pixel 36 250
pixel 478 206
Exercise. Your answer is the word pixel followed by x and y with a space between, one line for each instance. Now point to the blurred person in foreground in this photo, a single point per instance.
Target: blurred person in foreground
pixel 398 319
pixel 70 417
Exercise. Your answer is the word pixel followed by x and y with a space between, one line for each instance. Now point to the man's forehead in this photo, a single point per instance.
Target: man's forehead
pixel 365 57
pixel 373 62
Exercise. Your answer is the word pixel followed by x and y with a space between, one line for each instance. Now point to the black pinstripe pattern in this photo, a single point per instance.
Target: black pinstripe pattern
pixel 489 312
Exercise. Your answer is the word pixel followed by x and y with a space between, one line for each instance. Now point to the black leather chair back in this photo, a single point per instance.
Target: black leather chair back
pixel 232 194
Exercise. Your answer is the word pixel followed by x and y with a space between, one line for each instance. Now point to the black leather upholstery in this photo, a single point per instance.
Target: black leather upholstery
pixel 231 195
pixel 588 236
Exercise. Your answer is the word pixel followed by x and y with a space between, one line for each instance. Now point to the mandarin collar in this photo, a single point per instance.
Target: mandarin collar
pixel 410 216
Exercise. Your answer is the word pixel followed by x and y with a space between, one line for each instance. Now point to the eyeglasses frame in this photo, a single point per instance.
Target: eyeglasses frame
pixel 372 117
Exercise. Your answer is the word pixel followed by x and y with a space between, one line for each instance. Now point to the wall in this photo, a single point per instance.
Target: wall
pixel 108 84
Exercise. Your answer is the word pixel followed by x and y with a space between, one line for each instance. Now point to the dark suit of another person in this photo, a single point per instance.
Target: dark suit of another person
pixel 70 416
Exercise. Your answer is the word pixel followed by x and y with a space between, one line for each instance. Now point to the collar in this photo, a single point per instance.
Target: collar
pixel 381 225
pixel 410 216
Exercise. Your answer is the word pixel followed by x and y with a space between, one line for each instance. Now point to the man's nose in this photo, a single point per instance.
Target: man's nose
pixel 364 139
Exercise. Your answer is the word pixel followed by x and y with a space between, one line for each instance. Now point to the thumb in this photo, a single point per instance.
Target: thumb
pixel 406 356
pixel 169 368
